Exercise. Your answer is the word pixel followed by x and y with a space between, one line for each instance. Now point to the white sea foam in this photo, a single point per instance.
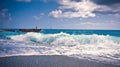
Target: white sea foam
pixel 92 47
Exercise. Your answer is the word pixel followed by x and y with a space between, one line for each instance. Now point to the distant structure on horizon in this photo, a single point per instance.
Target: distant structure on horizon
pixel 22 30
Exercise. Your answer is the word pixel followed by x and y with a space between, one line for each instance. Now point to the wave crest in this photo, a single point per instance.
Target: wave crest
pixel 66 39
pixel 92 47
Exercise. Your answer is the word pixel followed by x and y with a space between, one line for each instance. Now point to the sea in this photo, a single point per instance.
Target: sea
pixel 95 45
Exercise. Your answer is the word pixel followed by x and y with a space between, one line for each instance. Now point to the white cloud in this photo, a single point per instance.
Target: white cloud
pixel 41 14
pixel 99 23
pixel 24 0
pixel 5 15
pixel 112 8
pixel 117 15
pixel 47 0
pixel 115 7
pixel 56 13
pixel 73 9
pixel 81 9
pixel 38 17
pixel 3 12
pixel 88 23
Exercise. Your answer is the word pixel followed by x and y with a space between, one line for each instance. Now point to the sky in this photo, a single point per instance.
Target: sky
pixel 60 14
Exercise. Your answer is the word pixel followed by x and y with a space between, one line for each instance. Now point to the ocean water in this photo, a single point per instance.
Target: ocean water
pixel 95 45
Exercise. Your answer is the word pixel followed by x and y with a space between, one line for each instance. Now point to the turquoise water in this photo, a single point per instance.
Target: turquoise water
pixel 75 32
pixel 87 32
pixel 96 45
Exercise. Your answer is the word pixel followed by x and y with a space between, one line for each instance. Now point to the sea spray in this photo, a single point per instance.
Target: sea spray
pixel 103 48
pixel 66 39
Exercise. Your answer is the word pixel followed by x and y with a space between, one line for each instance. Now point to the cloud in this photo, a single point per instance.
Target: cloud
pixel 24 0
pixel 117 15
pixel 3 12
pixel 99 23
pixel 112 8
pixel 74 9
pixel 81 9
pixel 106 2
pixel 47 0
pixel 38 17
pixel 5 16
pixel 115 7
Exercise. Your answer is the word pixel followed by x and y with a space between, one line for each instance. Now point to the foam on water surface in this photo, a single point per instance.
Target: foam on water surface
pixel 101 48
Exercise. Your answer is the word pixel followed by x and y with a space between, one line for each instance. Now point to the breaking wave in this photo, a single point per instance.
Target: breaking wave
pixel 102 48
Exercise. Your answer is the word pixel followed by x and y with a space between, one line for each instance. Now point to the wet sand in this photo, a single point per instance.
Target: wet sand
pixel 49 61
